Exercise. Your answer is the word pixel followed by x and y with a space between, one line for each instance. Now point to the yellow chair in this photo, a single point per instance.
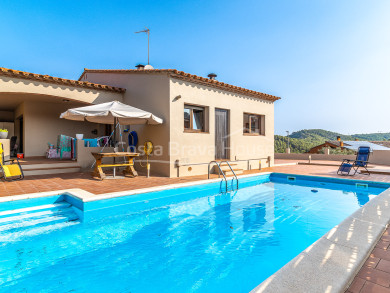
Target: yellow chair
pixel 11 170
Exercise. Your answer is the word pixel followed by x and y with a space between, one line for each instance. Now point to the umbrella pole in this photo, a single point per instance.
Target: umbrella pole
pixel 115 126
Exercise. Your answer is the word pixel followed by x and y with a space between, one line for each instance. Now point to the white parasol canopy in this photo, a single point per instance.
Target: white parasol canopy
pixel 111 113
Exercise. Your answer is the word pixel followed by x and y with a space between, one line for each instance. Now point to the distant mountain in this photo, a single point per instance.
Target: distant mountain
pixel 303 140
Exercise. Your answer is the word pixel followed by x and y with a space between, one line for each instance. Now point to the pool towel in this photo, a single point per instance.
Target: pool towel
pixel 90 142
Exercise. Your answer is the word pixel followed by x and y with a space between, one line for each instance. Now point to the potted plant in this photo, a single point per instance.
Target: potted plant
pixel 3 133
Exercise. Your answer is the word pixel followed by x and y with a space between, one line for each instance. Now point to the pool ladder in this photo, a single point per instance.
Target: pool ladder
pixel 220 171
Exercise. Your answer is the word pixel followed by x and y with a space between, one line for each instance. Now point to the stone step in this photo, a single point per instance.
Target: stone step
pixel 65 164
pixel 226 167
pixel 47 171
pixel 52 207
pixel 237 171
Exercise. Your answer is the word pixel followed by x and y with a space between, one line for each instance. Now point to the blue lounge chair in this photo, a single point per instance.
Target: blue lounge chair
pixel 361 161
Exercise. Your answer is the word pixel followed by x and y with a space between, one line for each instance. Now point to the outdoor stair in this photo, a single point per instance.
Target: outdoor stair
pixel 38 216
pixel 51 168
pixel 225 168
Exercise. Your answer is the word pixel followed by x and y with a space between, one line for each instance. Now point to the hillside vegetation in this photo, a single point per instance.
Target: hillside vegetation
pixel 302 141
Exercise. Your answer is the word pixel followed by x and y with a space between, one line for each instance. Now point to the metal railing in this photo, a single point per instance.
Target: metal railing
pixel 234 173
pixel 220 171
pixel 178 164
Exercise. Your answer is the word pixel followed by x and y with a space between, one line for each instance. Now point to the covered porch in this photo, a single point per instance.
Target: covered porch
pixel 30 107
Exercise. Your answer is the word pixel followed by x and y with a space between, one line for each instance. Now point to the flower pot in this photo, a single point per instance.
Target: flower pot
pixel 3 135
pixel 79 136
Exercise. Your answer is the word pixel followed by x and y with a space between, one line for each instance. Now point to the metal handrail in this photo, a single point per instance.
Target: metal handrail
pixel 234 173
pixel 232 161
pixel 219 172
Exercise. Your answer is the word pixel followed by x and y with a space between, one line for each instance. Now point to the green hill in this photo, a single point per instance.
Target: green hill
pixel 373 136
pixel 297 145
pixel 319 134
pixel 303 140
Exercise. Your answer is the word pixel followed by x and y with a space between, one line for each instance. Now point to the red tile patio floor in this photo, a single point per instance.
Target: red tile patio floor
pixel 374 276
pixel 41 183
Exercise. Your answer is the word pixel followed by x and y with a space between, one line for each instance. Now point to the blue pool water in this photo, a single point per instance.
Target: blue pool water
pixel 198 241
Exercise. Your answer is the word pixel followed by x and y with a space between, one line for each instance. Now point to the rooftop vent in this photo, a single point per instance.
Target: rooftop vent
pixel 212 76
pixel 140 66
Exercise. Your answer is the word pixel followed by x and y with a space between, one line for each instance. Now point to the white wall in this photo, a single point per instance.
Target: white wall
pixel 380 157
pixel 294 156
pixel 156 92
pixel 200 147
pixel 377 157
pixel 149 92
pixel 85 159
pixel 42 125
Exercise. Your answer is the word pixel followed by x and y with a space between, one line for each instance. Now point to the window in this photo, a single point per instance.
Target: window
pixel 254 124
pixel 194 118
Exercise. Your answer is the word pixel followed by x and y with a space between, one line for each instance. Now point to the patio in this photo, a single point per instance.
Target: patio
pixel 42 183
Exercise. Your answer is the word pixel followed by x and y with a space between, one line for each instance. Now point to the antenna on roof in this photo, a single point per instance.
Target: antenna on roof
pixel 146 30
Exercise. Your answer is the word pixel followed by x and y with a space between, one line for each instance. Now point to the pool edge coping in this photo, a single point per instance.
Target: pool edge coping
pixel 319 272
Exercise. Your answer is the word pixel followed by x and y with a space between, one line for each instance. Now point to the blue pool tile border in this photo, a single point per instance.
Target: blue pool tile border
pixel 347 181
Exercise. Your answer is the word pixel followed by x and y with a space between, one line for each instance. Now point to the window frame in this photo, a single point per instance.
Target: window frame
pixel 261 120
pixel 192 108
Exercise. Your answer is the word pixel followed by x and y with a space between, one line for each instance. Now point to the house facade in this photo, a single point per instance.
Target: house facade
pixel 204 119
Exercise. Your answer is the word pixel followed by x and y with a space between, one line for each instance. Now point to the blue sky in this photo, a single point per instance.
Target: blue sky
pixel 328 60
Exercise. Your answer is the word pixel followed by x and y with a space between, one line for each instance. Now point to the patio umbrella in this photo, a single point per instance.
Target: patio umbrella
pixel 111 113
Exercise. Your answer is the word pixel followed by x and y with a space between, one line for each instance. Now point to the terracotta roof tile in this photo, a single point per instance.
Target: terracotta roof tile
pixel 57 80
pixel 188 77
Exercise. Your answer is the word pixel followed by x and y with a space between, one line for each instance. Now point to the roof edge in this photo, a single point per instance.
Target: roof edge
pixel 191 78
pixel 57 80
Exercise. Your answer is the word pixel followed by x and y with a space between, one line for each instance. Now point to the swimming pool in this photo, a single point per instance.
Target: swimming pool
pixel 191 239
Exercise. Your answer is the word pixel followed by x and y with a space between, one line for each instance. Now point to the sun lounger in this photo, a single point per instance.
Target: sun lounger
pixel 350 167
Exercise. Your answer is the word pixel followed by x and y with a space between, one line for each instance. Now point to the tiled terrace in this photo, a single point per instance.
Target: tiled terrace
pixel 41 183
pixel 373 277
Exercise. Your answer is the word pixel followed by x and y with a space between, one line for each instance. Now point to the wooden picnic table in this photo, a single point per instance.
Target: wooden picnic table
pixel 129 164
